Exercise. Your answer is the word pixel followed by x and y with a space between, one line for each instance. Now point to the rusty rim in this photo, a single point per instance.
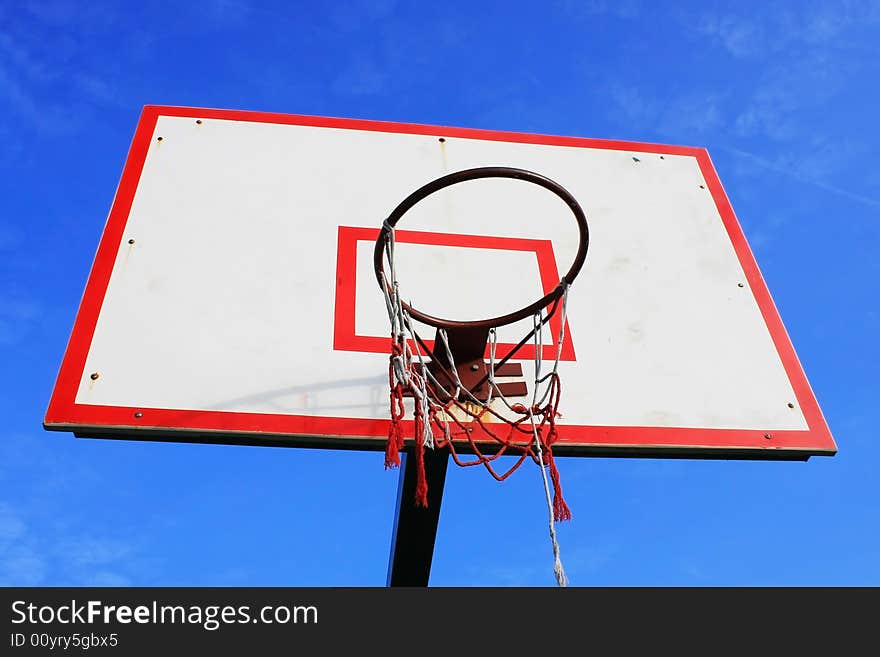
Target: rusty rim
pixel 475 174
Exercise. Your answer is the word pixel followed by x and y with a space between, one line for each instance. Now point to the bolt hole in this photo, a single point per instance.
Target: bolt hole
pixel 131 241
pixel 635 159
pixel 662 158
pixel 767 436
pixel 94 376
pixel 790 405
pixel 702 187
pixel 442 140
pixel 198 122
pixel 740 284
pixel 158 138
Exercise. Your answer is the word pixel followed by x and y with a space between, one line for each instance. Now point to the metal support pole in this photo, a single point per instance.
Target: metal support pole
pixel 415 528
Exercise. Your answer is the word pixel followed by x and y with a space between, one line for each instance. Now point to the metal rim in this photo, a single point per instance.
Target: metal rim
pixel 475 174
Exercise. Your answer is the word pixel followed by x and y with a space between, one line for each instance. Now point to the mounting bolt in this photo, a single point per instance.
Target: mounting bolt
pixel 740 284
pixel 475 367
pixel 662 158
pixel 198 122
pixel 94 376
pixel 442 140
pixel 131 241
pixel 635 159
pixel 702 187
pixel 790 405
pixel 767 436
pixel 138 414
pixel 158 138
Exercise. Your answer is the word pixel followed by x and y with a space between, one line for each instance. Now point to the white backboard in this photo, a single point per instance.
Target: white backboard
pixel 233 298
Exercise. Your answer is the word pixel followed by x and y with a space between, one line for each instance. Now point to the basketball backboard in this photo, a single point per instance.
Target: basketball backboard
pixel 233 299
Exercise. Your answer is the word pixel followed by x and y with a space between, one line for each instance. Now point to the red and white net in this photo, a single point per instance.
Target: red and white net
pixel 475 431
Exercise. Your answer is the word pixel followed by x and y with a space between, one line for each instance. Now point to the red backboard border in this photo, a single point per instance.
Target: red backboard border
pixel 186 425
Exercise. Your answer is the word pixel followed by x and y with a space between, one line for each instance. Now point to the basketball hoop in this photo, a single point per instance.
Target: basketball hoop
pixel 455 392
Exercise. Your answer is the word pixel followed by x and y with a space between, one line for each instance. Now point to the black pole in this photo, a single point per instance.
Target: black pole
pixel 415 528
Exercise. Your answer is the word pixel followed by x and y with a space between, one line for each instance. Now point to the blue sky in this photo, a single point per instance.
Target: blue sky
pixel 785 97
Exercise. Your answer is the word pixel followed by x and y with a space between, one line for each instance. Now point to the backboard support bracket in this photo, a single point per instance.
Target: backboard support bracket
pixel 468 346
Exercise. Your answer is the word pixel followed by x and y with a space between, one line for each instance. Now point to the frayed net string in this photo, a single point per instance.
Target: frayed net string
pixel 460 412
pixel 552 504
pixel 401 378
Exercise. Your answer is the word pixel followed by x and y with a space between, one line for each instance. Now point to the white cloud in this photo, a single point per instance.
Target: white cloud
pixel 778 29
pixel 42 541
pixel 21 566
pixel 739 36
pixel 91 551
pixel 20 58
pixel 631 103
pixel 53 89
pixel 58 556
pixel 786 90
pixel 692 114
pixel 686 116
pixel 803 170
